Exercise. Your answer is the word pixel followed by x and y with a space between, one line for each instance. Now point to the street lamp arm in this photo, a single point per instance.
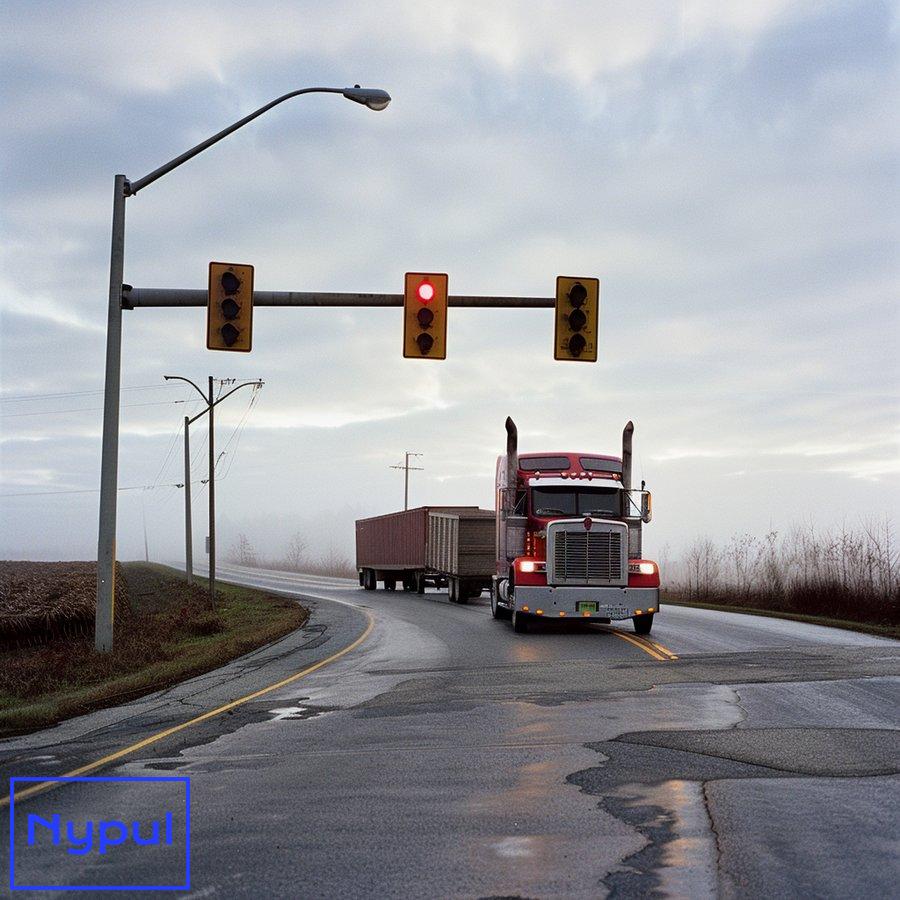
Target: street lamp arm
pixel 203 412
pixel 188 380
pixel 370 97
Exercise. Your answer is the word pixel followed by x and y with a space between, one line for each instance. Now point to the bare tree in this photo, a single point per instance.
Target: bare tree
pixel 295 555
pixel 242 552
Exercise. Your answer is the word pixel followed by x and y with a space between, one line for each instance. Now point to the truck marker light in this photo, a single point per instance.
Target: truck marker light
pixel 651 609
pixel 561 613
pixel 525 609
pixel 540 612
pixel 585 615
pixel 638 612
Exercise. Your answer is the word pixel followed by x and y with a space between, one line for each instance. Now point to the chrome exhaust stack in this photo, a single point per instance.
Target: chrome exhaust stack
pixel 512 530
pixel 512 466
pixel 626 455
pixel 635 537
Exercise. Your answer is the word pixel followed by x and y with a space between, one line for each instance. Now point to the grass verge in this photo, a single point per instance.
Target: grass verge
pixel 167 633
pixel 891 631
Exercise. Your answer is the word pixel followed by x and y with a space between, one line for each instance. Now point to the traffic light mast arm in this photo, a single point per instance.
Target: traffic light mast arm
pixel 134 298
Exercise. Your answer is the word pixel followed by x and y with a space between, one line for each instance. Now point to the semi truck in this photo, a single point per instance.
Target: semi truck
pixel 569 539
pixel 564 540
pixel 437 546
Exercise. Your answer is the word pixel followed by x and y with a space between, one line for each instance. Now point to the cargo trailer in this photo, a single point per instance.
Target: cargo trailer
pixel 440 546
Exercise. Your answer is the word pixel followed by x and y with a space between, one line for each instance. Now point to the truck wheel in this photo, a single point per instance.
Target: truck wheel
pixel 420 582
pixel 390 584
pixel 642 624
pixel 408 583
pixel 456 590
pixel 369 582
pixel 498 611
pixel 519 622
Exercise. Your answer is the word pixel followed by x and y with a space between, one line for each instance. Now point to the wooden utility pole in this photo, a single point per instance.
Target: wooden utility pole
pixel 407 468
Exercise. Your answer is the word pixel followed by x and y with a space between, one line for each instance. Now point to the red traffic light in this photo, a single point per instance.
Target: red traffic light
pixel 425 293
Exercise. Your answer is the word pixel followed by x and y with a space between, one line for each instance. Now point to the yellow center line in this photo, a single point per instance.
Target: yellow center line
pixel 665 650
pixel 160 735
pixel 650 651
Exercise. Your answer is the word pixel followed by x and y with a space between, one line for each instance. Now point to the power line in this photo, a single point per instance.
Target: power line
pixel 51 412
pixel 25 397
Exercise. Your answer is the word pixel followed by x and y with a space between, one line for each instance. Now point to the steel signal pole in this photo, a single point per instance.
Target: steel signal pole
pixel 373 98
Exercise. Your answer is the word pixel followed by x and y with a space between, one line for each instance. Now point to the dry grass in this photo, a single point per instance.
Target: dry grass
pixel 42 600
pixel 848 574
pixel 167 633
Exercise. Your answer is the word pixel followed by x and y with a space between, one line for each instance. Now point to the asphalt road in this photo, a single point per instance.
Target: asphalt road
pixel 445 756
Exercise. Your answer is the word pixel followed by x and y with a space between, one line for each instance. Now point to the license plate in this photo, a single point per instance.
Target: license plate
pixel 586 606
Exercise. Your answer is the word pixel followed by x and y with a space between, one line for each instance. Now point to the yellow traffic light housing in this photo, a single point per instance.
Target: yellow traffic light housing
pixel 425 316
pixel 577 319
pixel 229 308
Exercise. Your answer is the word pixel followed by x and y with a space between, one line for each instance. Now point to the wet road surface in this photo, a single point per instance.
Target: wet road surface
pixel 445 756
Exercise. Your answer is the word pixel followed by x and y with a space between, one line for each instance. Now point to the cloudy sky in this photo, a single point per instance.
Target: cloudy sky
pixel 729 170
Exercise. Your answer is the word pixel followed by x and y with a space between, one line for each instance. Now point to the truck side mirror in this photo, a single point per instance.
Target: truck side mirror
pixel 646 506
pixel 644 511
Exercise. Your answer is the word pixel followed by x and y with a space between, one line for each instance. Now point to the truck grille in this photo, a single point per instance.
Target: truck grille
pixel 588 557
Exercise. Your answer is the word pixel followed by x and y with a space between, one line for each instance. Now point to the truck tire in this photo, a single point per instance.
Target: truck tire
pixel 498 611
pixel 408 584
pixel 390 584
pixel 369 582
pixel 642 624
pixel 420 582
pixel 456 591
pixel 519 622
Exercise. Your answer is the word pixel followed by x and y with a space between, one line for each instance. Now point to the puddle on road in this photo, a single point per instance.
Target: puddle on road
pixel 294 713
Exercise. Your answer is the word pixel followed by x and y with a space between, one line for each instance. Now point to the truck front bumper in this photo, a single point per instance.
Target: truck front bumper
pixel 612 603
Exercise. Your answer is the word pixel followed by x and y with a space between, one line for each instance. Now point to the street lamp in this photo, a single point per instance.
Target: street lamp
pixel 374 99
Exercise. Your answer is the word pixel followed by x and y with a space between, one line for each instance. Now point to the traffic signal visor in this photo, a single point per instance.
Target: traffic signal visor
pixel 425 315
pixel 575 335
pixel 229 308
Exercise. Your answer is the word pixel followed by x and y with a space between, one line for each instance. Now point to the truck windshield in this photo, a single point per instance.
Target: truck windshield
pixel 579 501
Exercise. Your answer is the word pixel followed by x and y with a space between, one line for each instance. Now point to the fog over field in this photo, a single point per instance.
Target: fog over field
pixel 729 171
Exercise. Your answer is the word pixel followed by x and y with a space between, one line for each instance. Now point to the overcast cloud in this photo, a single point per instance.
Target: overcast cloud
pixel 729 171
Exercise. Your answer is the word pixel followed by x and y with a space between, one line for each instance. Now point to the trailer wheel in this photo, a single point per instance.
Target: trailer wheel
pixel 420 582
pixel 408 583
pixel 519 622
pixel 456 590
pixel 390 584
pixel 642 624
pixel 369 582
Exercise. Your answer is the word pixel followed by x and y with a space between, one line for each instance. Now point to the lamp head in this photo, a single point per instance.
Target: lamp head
pixel 374 98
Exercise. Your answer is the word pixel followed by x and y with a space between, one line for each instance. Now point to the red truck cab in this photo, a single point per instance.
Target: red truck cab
pixel 568 529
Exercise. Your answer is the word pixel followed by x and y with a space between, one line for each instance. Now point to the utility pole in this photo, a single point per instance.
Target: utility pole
pixel 144 519
pixel 188 533
pixel 407 468
pixel 211 403
pixel 212 501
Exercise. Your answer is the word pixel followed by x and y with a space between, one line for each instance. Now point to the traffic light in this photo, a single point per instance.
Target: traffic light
pixel 577 318
pixel 425 316
pixel 229 308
